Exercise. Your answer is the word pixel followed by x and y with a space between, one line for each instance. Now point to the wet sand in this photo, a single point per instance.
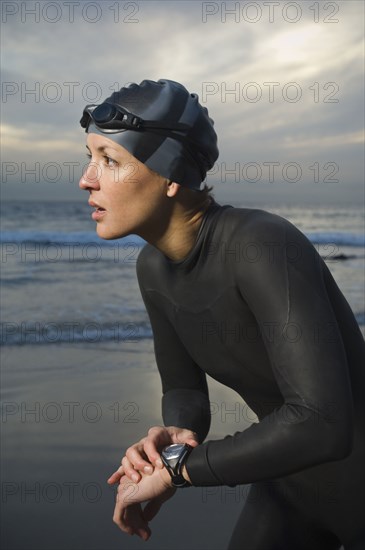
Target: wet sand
pixel 68 414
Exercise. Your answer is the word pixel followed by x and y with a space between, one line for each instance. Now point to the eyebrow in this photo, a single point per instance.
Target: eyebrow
pixel 101 149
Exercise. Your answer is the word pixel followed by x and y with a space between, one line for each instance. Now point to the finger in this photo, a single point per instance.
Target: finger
pixel 116 476
pixel 123 519
pixel 190 441
pixel 158 437
pixel 133 516
pixel 129 471
pixel 152 452
pixel 137 459
pixel 128 515
pixel 119 516
pixel 186 436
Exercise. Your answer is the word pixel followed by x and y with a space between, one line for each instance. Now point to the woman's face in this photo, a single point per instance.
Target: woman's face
pixel 127 197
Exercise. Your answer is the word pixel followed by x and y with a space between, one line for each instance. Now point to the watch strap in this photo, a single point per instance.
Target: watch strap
pixel 175 467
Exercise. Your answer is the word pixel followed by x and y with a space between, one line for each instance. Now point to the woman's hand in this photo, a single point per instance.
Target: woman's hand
pixel 128 513
pixel 142 457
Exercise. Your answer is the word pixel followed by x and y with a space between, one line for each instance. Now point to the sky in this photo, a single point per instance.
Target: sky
pixel 283 81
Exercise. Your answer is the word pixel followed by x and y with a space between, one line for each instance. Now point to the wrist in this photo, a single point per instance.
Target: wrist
pixel 165 477
pixel 185 474
pixel 173 457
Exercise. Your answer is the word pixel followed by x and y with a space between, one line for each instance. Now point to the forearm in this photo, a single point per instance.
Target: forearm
pixel 186 408
pixel 276 447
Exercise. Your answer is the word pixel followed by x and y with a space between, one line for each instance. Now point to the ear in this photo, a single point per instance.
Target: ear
pixel 172 188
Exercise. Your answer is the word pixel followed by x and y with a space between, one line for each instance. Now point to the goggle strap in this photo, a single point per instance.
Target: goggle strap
pixel 132 121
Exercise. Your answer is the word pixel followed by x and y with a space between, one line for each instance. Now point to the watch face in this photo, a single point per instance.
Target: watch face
pixel 173 451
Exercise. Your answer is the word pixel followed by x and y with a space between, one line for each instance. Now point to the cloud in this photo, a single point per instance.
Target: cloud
pixel 84 61
pixel 15 140
pixel 326 143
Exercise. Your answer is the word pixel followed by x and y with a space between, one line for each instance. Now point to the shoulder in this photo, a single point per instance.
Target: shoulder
pixel 148 263
pixel 256 225
pixel 257 242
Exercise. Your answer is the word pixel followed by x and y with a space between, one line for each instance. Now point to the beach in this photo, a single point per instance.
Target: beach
pixel 68 416
pixel 80 383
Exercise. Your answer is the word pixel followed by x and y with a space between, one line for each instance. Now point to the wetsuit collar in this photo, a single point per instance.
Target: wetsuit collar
pixel 191 259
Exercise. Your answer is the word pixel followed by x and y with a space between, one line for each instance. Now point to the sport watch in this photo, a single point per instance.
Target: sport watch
pixel 173 458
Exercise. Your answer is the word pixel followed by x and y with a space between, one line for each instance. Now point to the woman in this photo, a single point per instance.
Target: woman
pixel 242 295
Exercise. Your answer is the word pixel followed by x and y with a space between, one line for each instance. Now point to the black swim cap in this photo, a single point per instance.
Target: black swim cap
pixel 162 125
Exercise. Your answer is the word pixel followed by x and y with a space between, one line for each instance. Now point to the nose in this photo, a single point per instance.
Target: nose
pixel 90 179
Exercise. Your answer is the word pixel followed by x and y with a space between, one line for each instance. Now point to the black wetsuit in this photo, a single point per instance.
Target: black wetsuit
pixel 254 306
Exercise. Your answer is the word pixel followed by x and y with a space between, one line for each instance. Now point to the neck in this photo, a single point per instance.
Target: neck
pixel 181 230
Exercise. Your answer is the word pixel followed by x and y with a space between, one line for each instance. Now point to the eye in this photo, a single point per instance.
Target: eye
pixel 88 156
pixel 110 162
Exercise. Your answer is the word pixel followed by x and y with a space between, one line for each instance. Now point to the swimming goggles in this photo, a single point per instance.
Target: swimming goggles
pixel 112 118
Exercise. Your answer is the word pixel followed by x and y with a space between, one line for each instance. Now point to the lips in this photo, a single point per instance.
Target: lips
pixel 99 211
pixel 96 206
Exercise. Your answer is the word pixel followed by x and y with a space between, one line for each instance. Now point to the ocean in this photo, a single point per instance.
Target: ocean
pixel 62 283
pixel 79 381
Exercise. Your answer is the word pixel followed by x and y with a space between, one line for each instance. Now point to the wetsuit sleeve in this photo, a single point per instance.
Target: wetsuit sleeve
pixel 284 288
pixel 185 400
